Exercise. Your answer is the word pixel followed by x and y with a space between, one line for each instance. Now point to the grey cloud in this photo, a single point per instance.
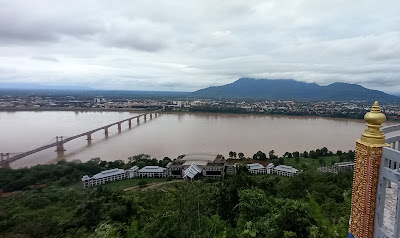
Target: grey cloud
pixel 136 42
pixel 175 45
pixel 45 58
pixel 35 21
pixel 138 34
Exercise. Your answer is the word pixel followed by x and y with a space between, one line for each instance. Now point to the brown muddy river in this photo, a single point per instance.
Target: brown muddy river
pixel 169 134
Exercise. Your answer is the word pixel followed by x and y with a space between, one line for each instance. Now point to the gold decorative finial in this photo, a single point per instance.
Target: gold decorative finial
pixel 373 134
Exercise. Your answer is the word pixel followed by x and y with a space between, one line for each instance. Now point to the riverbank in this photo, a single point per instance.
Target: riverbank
pixel 80 109
pixel 138 110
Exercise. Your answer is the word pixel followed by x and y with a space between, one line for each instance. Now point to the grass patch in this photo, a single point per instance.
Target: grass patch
pixel 133 182
pixel 312 164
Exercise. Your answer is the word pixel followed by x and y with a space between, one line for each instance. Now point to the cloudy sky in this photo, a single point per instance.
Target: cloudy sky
pixel 187 45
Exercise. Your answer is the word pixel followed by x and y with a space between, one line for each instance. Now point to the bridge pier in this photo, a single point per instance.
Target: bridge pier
pixel 119 127
pixel 60 148
pixel 155 114
pixel 89 138
pixel 6 165
pixel 151 116
pixel 130 123
pixel 106 132
pixel 138 120
pixel 145 115
pixel 5 156
pixel 60 145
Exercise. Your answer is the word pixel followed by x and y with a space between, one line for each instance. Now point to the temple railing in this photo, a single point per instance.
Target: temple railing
pixel 388 225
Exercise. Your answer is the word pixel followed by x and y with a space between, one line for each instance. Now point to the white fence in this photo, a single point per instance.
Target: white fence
pixel 387 216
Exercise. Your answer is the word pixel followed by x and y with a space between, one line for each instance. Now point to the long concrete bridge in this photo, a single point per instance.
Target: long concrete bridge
pixel 6 159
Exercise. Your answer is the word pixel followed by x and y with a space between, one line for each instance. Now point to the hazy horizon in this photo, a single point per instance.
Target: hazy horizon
pixel 33 86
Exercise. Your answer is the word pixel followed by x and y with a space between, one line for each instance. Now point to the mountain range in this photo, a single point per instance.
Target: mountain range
pixel 289 89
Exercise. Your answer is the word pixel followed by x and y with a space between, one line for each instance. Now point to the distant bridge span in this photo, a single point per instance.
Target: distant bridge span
pixel 59 144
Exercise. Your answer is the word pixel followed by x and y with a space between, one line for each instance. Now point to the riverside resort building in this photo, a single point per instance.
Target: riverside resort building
pixel 190 166
pixel 202 164
pixel 119 174
pixel 282 170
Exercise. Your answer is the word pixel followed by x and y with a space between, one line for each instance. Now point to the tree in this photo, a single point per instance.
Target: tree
pixel 305 154
pixel 324 151
pixel 164 162
pixel 339 152
pixel 313 154
pixel 296 154
pixel 287 155
pixel 291 218
pixel 341 158
pixel 231 154
pixel 297 159
pixel 272 155
pixel 260 156
pixel 281 160
pixel 241 155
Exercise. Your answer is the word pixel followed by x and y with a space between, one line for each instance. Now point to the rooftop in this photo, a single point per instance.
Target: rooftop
pixel 344 163
pixel 197 162
pixel 107 173
pixel 191 171
pixel 270 166
pixel 152 169
pixel 286 168
pixel 255 166
pixel 134 168
pixel 200 157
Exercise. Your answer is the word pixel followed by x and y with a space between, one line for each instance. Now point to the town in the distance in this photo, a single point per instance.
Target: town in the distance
pixel 302 101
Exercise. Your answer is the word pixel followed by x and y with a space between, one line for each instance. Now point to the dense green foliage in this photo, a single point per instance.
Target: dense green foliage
pixel 67 173
pixel 308 205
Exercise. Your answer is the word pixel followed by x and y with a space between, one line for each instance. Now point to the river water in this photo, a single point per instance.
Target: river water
pixel 169 134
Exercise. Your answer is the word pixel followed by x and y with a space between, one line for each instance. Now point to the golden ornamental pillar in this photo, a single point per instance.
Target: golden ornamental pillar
pixel 368 157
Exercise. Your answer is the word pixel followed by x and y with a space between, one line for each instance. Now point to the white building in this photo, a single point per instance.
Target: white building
pixel 153 172
pixel 270 168
pixel 103 177
pixel 256 168
pixel 211 165
pixel 133 172
pixel 285 170
pixel 344 166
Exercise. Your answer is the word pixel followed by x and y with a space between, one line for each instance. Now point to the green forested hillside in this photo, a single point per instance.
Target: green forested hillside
pixel 308 205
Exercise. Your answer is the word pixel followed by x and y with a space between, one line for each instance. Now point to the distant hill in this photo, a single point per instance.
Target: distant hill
pixel 288 89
